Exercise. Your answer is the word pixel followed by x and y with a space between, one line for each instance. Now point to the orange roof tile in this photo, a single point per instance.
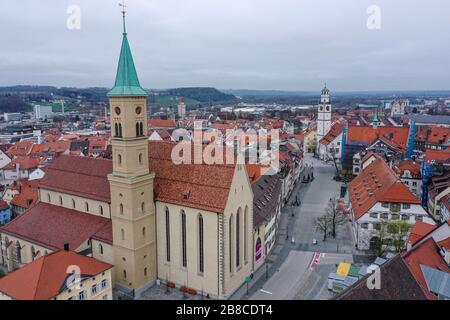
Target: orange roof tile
pixel 368 134
pixel 419 230
pixel 441 156
pixel 200 186
pixel 409 165
pixel 44 278
pixel 335 131
pixel 371 186
pixel 154 123
pixel 399 193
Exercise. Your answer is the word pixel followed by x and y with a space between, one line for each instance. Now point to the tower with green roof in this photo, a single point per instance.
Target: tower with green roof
pixel 131 182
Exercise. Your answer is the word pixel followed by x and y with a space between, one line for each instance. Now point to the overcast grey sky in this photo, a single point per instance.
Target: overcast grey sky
pixel 251 44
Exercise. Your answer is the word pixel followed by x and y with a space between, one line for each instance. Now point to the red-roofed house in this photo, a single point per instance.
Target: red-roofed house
pixel 377 195
pixel 49 278
pixel 161 124
pixel 438 138
pixel 330 144
pixel 410 174
pixel 368 134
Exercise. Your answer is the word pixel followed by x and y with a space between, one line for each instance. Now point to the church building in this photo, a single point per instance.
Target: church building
pixel 189 225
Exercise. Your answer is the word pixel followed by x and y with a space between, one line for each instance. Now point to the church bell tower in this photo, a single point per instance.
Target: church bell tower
pixel 131 182
pixel 324 114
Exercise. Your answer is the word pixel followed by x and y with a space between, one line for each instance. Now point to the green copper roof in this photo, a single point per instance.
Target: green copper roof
pixel 375 121
pixel 127 82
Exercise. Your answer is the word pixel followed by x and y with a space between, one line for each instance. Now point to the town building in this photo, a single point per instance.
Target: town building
pixel 181 108
pixel 50 278
pixel 377 195
pixel 189 225
pixel 410 174
pixel 43 113
pixel 323 115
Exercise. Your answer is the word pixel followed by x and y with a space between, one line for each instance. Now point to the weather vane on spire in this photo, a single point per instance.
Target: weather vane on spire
pixel 122 4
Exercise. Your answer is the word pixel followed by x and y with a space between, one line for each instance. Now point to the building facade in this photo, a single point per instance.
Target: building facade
pixel 324 114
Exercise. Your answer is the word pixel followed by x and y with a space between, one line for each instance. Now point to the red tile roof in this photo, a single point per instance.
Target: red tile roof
pixel 24 163
pixel 28 194
pixel 399 193
pixel 445 244
pixel 419 230
pixel 372 185
pixel 409 165
pixel 52 226
pixel 44 278
pixel 441 156
pixel 439 135
pixel 426 253
pixel 335 131
pixel 3 205
pixel 81 176
pixel 368 134
pixel 21 148
pixel 154 123
pixel 193 185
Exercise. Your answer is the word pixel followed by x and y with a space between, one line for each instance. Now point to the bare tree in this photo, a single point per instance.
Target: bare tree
pixel 336 215
pixel 323 224
pixel 391 236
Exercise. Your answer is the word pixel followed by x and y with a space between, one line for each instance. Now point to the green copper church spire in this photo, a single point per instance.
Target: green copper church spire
pixel 375 121
pixel 127 82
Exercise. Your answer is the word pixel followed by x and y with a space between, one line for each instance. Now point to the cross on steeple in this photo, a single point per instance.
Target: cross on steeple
pixel 122 4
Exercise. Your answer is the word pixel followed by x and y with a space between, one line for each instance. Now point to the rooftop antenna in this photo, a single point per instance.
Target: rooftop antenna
pixel 122 4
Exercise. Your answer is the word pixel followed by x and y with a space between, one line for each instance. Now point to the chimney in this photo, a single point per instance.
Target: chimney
pixel 66 246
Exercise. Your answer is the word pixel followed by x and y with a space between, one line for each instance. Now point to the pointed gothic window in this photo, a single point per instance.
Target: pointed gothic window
pixel 183 239
pixel 73 203
pixel 49 199
pixel 119 159
pixel 141 128
pixel 121 208
pixel 140 158
pixel 201 262
pixel 86 207
pixel 116 130
pixel 144 231
pixel 143 207
pixel 230 244
pixel 138 133
pixel 100 248
pixel 60 201
pixel 245 235
pixel 238 233
pixel 120 130
pixel 100 210
pixel 167 235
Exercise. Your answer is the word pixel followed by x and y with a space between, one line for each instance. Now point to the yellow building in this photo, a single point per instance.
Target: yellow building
pixel 47 279
pixel 310 142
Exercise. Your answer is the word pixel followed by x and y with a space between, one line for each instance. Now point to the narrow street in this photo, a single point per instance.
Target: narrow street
pixel 297 268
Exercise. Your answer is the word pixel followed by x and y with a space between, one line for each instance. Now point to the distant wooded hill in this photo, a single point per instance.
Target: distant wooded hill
pixel 18 98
